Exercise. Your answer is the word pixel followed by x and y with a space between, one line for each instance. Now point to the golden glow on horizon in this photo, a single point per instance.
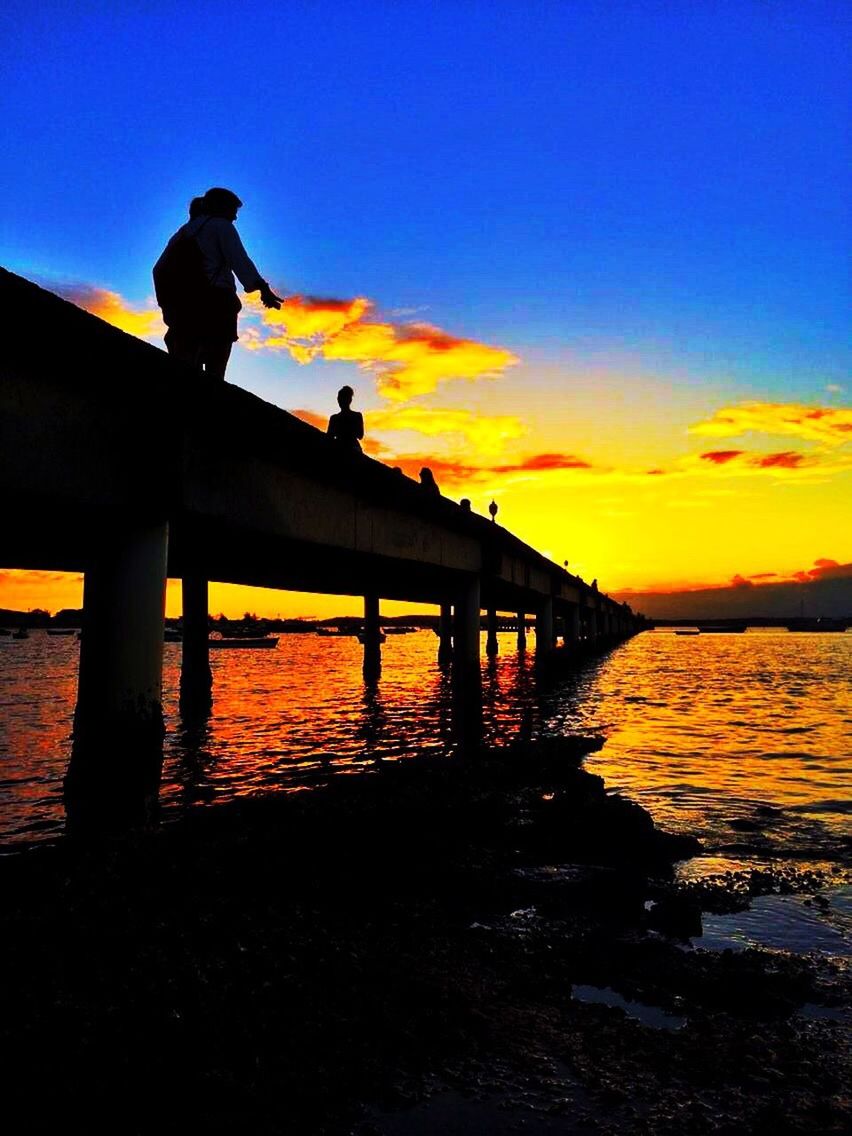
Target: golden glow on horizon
pixel 25 590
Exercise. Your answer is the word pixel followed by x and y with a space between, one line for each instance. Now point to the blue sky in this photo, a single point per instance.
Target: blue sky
pixel 644 203
pixel 631 171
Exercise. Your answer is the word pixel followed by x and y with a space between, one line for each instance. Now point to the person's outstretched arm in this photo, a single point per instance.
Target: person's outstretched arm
pixel 240 262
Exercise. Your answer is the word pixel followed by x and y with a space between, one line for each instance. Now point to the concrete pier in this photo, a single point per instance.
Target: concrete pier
pixel 117 753
pixel 372 638
pixel 466 630
pixel 544 627
pixel 445 634
pixel 196 678
pixel 115 454
pixel 572 624
pixel 593 623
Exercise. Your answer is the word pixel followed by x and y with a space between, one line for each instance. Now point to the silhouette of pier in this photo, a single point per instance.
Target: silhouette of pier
pixel 121 463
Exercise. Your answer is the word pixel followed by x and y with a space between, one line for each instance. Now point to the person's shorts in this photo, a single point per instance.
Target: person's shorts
pixel 209 318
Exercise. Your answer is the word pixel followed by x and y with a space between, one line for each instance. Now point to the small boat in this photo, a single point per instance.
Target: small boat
pixel 381 637
pixel 688 631
pixel 326 631
pixel 62 630
pixel 241 631
pixel 21 633
pixel 262 641
pixel 399 630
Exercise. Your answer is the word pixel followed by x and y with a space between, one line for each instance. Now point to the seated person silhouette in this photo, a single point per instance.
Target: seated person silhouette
pixel 347 426
pixel 427 480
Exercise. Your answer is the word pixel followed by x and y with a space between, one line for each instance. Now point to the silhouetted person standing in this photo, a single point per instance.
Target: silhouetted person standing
pixel 347 426
pixel 194 282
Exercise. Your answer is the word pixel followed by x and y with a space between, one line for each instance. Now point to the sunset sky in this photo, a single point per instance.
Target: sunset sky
pixel 588 259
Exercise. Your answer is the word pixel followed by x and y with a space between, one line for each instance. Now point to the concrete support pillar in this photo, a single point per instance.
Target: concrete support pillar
pixel 544 627
pixel 372 639
pixel 466 631
pixel 593 623
pixel 113 778
pixel 196 678
pixel 445 634
pixel 491 645
pixel 572 624
pixel 522 631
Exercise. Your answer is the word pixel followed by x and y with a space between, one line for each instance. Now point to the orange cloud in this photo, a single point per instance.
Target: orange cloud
pixel 786 460
pixel 545 461
pixel 739 462
pixel 823 570
pixel 454 473
pixel 312 419
pixel 741 582
pixel 406 359
pixel 720 457
pixel 487 432
pixel 830 426
pixel 110 306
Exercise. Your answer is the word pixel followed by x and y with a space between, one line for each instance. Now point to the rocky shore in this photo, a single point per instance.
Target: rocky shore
pixel 487 946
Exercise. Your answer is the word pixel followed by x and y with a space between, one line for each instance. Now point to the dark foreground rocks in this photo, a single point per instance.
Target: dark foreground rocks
pixel 415 950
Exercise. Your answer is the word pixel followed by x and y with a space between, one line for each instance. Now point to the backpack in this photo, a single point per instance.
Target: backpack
pixel 181 283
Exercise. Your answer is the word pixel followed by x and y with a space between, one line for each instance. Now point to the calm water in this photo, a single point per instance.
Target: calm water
pixel 712 733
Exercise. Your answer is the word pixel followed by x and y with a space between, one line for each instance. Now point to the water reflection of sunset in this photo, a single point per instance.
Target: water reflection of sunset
pixel 704 732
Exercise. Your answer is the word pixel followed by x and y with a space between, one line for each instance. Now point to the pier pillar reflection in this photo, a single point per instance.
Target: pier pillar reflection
pixel 196 678
pixel 467 676
pixel 522 632
pixel 445 634
pixel 113 777
pixel 372 637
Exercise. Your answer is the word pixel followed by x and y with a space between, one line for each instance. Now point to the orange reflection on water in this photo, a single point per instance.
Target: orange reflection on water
pixel 704 731
pixel 726 723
